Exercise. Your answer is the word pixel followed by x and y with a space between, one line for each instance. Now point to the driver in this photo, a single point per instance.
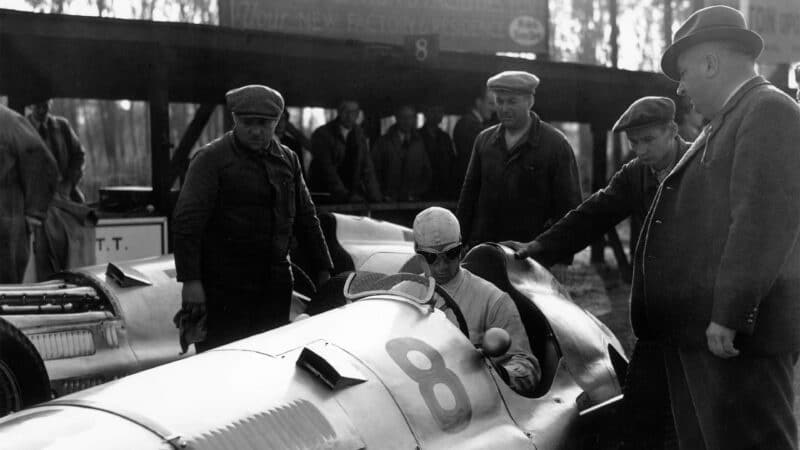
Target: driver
pixel 437 239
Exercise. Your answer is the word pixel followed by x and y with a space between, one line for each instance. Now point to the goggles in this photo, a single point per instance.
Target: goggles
pixel 431 257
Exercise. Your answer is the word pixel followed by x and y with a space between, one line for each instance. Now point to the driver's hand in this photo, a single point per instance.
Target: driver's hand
pixel 193 298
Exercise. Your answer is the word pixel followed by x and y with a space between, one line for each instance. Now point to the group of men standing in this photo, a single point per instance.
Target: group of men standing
pixel 41 206
pixel 406 163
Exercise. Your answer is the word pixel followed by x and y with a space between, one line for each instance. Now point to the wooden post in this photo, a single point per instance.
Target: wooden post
pixel 158 97
pixel 613 12
pixel 599 168
pixel 667 23
pixel 180 158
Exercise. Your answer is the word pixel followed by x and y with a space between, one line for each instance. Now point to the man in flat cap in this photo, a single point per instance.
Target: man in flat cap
pixel 243 200
pixel 717 270
pixel 522 176
pixel 649 124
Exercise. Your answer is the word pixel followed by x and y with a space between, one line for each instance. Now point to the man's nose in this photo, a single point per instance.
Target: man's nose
pixel 681 90
pixel 439 263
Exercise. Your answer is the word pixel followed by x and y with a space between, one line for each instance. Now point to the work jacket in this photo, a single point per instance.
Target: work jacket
pixel 237 213
pixel 629 194
pixel 517 194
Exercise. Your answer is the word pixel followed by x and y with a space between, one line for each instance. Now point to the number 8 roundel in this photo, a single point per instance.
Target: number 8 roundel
pixel 450 420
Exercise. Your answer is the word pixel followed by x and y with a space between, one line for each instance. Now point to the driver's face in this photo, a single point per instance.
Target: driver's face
pixel 443 269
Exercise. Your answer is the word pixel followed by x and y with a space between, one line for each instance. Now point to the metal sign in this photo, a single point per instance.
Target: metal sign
pixel 485 26
pixel 130 238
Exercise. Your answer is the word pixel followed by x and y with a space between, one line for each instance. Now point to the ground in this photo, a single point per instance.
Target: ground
pixel 599 289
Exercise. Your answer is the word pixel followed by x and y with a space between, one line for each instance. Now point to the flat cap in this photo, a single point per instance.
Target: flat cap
pixel 515 81
pixel 255 100
pixel 645 112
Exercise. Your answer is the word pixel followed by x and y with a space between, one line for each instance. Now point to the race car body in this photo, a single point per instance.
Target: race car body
pixel 386 370
pixel 92 325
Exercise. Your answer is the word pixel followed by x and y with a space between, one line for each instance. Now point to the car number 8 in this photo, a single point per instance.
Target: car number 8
pixel 451 420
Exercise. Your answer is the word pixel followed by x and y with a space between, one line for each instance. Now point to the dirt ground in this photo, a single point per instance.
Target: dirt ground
pixel 599 289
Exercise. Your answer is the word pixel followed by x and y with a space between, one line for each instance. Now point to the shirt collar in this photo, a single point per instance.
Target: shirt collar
pixel 735 91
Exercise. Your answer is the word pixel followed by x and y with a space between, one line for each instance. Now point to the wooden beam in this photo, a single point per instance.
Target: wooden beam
pixel 180 158
pixel 158 97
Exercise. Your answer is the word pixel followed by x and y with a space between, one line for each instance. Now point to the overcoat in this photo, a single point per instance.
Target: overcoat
pixel 403 169
pixel 517 194
pixel 67 150
pixel 28 177
pixel 721 240
pixel 342 166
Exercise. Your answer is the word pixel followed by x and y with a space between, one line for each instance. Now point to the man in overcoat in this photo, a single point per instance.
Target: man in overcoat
pixel 66 238
pixel 717 270
pixel 341 163
pixel 401 163
pixel 28 178
pixel 243 200
pixel 441 154
pixel 522 176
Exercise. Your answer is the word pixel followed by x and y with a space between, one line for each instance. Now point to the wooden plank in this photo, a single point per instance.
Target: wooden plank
pixel 180 158
pixel 158 97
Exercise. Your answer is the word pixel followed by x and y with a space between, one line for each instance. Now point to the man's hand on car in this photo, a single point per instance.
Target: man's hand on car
pixel 523 250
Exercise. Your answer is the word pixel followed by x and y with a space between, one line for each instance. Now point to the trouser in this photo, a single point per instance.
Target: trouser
pixel 647 418
pixel 234 314
pixel 744 402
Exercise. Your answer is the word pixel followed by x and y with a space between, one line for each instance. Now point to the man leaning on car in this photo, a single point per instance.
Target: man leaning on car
pixel 243 200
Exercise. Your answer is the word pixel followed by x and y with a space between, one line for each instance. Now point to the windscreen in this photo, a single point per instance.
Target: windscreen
pixel 412 286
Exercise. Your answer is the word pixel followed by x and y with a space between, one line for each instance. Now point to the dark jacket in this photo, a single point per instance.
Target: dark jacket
pixel 342 167
pixel 404 170
pixel 629 194
pixel 442 156
pixel 67 150
pixel 28 178
pixel 516 195
pixel 722 240
pixel 237 213
pixel 468 127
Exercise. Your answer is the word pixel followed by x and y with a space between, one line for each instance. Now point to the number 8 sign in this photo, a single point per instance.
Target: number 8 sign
pixel 427 378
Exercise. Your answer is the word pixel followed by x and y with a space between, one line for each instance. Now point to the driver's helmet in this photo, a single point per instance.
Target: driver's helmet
pixel 436 229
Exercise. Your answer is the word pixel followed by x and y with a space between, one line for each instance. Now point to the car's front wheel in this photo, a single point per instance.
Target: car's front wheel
pixel 23 377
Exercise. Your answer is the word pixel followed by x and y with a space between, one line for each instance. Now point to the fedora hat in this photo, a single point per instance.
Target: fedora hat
pixel 714 23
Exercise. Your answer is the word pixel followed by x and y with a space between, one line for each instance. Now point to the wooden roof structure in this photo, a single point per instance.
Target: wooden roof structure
pixel 47 55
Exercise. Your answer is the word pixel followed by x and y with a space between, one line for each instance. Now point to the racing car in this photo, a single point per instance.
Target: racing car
pixel 383 368
pixel 92 325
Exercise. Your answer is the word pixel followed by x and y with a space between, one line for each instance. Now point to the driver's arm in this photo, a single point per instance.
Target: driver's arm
pixel 522 367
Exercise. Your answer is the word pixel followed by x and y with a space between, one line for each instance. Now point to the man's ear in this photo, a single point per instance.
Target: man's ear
pixel 711 64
